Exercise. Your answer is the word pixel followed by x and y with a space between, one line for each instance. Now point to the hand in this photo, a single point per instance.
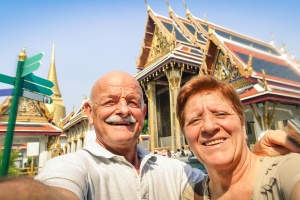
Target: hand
pixel 274 143
pixel 25 188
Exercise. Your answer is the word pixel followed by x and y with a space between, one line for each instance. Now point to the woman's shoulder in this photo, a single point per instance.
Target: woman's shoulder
pixel 197 192
pixel 277 160
pixel 278 176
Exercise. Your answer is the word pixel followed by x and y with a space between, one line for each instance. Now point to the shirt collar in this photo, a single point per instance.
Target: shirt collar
pixel 97 150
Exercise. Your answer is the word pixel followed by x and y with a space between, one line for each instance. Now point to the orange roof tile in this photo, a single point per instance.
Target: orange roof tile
pixel 31 129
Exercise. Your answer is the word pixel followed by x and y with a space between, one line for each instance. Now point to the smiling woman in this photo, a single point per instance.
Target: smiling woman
pixel 211 117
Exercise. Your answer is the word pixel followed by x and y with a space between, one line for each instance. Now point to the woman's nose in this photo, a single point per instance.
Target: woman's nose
pixel 209 124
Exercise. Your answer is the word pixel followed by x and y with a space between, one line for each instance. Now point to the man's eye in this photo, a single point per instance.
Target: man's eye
pixel 133 104
pixel 109 103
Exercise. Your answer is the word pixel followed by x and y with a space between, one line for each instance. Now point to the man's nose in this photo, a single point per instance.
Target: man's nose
pixel 122 107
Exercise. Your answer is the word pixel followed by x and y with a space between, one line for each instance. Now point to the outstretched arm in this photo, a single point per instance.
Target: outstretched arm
pixel 24 188
pixel 296 192
pixel 276 142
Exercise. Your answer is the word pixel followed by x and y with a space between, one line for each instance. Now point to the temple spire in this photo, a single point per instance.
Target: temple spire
pixel 57 108
pixel 52 75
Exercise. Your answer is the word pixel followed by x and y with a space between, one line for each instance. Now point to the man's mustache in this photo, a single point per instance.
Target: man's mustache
pixel 117 118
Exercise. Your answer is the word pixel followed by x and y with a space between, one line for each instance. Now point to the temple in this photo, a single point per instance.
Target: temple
pixel 175 49
pixel 36 122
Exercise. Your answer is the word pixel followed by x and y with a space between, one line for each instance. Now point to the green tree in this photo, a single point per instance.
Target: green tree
pixel 145 128
pixel 12 169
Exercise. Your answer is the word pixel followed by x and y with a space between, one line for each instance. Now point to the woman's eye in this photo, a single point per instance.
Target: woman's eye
pixel 195 121
pixel 221 114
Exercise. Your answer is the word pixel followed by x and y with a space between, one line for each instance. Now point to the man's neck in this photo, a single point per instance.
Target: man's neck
pixel 129 153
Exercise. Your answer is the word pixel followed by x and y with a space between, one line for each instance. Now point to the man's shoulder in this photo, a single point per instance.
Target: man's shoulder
pixel 74 157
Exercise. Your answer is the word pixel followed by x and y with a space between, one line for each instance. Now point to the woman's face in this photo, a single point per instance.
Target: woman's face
pixel 213 130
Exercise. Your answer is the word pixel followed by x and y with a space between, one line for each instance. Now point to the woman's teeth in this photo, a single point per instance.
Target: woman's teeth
pixel 214 142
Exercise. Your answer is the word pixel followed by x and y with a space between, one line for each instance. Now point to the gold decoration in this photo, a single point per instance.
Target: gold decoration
pixel 257 117
pixel 203 69
pixel 221 71
pixel 26 107
pixel 184 30
pixel 197 24
pixel 171 39
pixel 159 47
pixel 263 83
pixel 268 117
pixel 5 105
pixel 249 64
pixel 82 135
pixel 46 111
pixel 57 151
pixel 242 70
pixel 22 55
pixel 174 76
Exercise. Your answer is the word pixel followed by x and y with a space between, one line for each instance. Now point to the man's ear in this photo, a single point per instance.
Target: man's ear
pixel 144 110
pixel 88 111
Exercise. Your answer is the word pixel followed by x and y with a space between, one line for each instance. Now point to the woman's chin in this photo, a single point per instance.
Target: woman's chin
pixel 216 161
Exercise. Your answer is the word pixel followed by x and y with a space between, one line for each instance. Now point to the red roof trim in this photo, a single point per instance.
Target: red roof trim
pixel 31 133
pixel 255 54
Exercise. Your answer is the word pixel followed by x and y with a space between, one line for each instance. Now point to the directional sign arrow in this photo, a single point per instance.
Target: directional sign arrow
pixel 33 59
pixel 35 79
pixel 6 92
pixel 37 88
pixel 7 79
pixel 37 97
pixel 29 69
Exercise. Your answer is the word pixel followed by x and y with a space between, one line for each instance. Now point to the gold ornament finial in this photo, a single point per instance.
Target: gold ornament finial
pixel 22 55
pixel 148 7
pixel 184 4
pixel 167 2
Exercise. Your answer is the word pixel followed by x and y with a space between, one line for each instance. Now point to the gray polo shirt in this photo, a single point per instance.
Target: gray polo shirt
pixel 95 173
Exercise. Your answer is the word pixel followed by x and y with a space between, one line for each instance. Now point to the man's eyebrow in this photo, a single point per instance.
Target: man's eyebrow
pixel 107 96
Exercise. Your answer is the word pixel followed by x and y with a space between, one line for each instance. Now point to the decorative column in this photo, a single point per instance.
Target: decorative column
pixel 79 143
pixel 73 146
pixel 149 88
pixel 174 77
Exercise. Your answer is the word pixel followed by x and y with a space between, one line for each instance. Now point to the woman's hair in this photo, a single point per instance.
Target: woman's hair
pixel 206 83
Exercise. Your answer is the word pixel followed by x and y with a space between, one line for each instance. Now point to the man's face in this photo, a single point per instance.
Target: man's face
pixel 118 112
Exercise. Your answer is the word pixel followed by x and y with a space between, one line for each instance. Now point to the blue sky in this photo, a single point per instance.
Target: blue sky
pixel 94 37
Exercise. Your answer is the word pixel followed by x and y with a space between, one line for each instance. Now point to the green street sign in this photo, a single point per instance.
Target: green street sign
pixel 38 80
pixel 33 59
pixel 7 79
pixel 37 88
pixel 37 97
pixel 29 69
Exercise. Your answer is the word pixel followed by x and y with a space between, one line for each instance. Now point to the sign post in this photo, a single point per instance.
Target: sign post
pixel 13 114
pixel 26 85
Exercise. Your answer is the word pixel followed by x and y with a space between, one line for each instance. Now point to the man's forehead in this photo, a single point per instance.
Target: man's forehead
pixel 119 91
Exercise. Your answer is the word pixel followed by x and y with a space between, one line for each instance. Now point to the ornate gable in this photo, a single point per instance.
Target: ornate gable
pixel 159 47
pixel 28 111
